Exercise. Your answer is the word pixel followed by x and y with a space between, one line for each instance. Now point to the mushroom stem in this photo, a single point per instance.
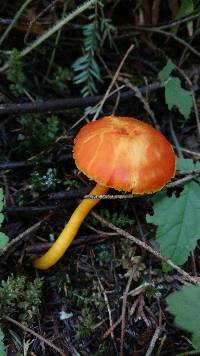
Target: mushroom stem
pixel 70 230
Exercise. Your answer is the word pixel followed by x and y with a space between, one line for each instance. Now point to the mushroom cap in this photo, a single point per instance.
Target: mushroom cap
pixel 125 154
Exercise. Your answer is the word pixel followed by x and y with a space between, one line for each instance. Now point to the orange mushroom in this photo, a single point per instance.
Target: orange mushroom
pixel 117 152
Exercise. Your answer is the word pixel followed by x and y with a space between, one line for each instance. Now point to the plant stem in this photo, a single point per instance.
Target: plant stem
pixel 53 29
pixel 17 15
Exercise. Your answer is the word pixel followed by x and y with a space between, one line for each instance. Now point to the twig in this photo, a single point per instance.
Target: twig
pixel 107 304
pixel 32 209
pixel 190 152
pixel 64 104
pixel 153 341
pixel 111 328
pixel 146 247
pixel 189 176
pixel 30 162
pixel 85 116
pixel 113 81
pixel 174 23
pixel 20 238
pixel 56 42
pixel 41 338
pixel 144 102
pixel 168 34
pixel 82 240
pixel 125 296
pixel 174 137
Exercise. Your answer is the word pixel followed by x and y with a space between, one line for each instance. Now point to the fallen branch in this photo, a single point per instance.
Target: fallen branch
pixel 63 104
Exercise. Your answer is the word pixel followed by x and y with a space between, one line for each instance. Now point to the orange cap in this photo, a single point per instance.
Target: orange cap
pixel 124 153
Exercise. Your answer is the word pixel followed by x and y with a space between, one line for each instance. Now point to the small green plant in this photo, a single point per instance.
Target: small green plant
pixel 71 183
pixel 19 296
pixel 3 238
pixel 42 133
pixel 104 257
pixel 15 73
pixel 153 291
pixel 119 218
pixel 45 181
pixel 84 328
pixel 175 95
pixel 86 67
pixel 60 78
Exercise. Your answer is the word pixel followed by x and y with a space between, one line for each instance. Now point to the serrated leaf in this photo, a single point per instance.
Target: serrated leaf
pixel 185 305
pixel 2 347
pixel 3 239
pixel 176 96
pixel 166 71
pixel 178 223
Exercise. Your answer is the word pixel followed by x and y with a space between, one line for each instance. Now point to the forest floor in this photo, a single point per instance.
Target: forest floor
pixel 106 296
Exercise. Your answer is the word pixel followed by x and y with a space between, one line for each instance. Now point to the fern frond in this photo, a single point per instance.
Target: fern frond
pixel 86 67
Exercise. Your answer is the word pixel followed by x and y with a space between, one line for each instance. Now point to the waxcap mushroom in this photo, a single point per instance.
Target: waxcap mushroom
pixel 120 152
pixel 125 154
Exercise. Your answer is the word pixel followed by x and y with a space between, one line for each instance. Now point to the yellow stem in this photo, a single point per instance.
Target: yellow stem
pixel 66 237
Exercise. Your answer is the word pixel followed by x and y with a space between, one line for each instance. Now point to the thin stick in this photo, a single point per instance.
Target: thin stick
pixel 146 247
pixel 113 81
pixel 176 22
pixel 153 341
pixel 107 304
pixel 21 237
pixel 17 15
pixel 174 137
pixel 144 102
pixel 111 328
pixel 125 296
pixel 25 328
pixel 168 34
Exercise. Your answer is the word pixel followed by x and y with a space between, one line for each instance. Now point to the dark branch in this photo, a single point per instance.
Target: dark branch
pixel 63 104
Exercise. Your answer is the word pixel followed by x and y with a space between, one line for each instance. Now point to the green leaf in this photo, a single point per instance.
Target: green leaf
pixel 185 305
pixel 185 9
pixel 166 268
pixel 2 347
pixel 166 71
pixel 178 223
pixel 3 239
pixel 183 164
pixel 176 96
pixel 1 218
